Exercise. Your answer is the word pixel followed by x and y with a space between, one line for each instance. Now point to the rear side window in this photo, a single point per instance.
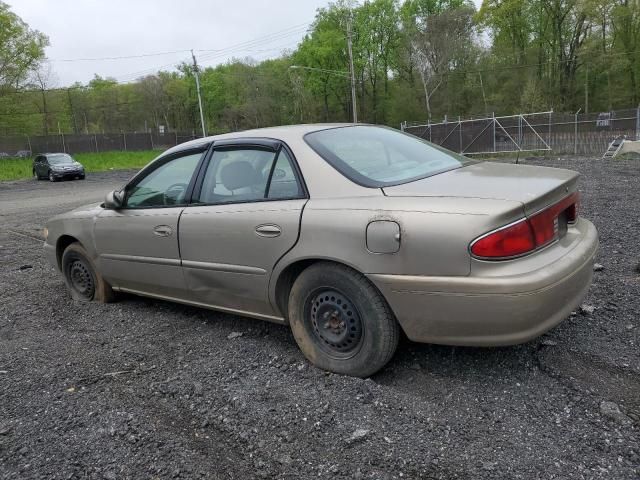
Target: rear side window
pixel 248 174
pixel 378 156
pixel 284 183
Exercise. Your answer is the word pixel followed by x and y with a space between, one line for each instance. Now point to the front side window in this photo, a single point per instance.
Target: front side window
pixel 166 185
pixel 248 174
pixel 379 156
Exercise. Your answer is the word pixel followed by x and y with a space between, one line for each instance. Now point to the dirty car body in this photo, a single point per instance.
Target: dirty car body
pixel 456 251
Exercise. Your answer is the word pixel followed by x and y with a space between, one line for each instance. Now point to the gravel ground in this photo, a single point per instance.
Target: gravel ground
pixel 146 389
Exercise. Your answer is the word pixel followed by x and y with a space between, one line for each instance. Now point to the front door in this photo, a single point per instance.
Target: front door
pixel 41 166
pixel 244 218
pixel 138 244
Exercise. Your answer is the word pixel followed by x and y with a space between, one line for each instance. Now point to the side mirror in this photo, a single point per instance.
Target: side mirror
pixel 114 200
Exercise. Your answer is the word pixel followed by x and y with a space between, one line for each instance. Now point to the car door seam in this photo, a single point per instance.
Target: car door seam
pixel 274 307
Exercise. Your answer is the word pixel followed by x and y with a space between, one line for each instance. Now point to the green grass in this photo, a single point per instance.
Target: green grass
pixel 18 168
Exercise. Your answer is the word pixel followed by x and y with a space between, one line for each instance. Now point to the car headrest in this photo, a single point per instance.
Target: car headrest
pixel 238 175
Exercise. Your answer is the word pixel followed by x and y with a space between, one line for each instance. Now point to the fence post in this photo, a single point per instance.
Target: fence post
pixel 176 133
pixel 638 122
pixel 64 147
pixel 549 134
pixel 520 135
pixel 460 133
pixel 95 139
pixel 151 138
pixel 29 144
pixel 575 133
pixel 124 140
pixel 493 123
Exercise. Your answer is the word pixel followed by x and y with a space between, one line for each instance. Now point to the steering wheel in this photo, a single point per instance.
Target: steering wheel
pixel 174 193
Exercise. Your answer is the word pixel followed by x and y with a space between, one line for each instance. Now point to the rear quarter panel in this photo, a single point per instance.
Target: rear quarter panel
pixel 435 233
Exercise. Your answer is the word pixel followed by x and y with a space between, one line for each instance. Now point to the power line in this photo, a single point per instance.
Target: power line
pixel 172 52
pixel 122 57
pixel 217 53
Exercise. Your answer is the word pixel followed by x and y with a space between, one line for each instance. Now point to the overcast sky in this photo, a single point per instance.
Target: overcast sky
pixel 89 29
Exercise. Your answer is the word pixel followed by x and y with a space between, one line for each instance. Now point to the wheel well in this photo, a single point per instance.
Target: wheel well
pixel 63 242
pixel 289 275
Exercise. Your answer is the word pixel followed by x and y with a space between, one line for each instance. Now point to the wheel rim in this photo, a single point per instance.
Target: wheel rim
pixel 81 279
pixel 51 176
pixel 335 323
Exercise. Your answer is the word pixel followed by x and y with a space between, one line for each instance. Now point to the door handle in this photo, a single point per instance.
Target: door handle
pixel 268 230
pixel 162 230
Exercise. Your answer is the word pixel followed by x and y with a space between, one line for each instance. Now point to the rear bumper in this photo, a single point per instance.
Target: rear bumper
pixel 493 310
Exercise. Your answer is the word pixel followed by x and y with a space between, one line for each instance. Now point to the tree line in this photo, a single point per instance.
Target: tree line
pixel 413 60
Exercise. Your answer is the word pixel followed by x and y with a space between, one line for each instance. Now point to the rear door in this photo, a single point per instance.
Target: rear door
pixel 244 217
pixel 138 244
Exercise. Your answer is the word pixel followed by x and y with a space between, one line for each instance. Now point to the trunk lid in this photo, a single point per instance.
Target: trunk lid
pixel 535 187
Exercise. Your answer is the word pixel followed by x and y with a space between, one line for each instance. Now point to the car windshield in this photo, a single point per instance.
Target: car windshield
pixel 380 156
pixel 59 159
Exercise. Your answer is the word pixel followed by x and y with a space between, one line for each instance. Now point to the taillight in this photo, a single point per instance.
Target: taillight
pixel 527 234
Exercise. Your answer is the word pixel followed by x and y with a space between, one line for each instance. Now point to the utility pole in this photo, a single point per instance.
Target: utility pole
pixel 353 76
pixel 195 71
pixel 586 89
pixel 484 98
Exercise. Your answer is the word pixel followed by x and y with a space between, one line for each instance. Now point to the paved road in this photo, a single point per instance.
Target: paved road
pixel 148 389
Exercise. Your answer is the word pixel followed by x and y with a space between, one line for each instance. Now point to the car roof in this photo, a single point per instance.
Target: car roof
pixel 284 133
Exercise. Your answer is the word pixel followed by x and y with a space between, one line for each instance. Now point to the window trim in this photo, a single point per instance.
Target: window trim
pixel 159 162
pixel 356 177
pixel 267 144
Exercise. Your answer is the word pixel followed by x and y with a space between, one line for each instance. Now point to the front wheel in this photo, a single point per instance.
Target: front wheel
pixel 51 177
pixel 82 278
pixel 340 321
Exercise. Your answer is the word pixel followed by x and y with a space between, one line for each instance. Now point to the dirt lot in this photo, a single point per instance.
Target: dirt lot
pixel 146 389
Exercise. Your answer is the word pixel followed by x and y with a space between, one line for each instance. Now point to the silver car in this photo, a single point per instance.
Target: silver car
pixel 346 233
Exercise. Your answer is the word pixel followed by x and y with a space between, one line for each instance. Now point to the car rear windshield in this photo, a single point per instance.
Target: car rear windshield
pixel 380 156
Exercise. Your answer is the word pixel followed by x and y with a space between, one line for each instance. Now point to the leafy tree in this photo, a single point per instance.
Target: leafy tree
pixel 21 49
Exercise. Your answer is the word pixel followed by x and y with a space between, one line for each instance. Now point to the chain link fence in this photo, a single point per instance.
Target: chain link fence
pixel 85 143
pixel 562 133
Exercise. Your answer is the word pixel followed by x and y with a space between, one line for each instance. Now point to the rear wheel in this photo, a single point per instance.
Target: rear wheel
pixel 35 175
pixel 82 278
pixel 340 321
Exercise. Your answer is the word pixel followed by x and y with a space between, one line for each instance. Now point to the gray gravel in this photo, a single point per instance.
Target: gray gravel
pixel 147 389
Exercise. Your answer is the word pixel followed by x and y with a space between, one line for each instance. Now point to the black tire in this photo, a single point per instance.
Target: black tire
pixel 340 321
pixel 35 175
pixel 51 177
pixel 82 278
